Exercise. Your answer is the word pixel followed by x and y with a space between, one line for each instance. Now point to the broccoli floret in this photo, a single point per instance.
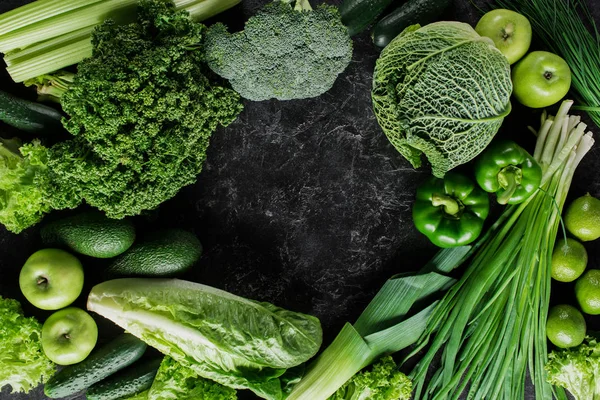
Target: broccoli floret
pixel 382 382
pixel 284 52
pixel 23 184
pixel 577 369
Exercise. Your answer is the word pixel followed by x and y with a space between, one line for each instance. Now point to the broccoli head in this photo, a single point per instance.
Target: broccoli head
pixel 577 369
pixel 23 184
pixel 383 381
pixel 284 52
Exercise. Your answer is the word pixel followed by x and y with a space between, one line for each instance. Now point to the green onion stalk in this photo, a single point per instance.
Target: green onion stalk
pixel 44 36
pixel 490 328
pixel 561 25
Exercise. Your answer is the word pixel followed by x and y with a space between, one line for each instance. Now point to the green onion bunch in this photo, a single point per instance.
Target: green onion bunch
pixel 490 327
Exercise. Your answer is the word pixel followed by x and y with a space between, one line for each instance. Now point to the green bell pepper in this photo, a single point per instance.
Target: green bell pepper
pixel 450 211
pixel 505 168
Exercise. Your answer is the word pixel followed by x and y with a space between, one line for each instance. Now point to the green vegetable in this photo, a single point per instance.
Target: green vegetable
pixel 443 91
pixel 176 382
pixel 450 211
pixel 91 233
pixel 236 342
pixel 23 364
pixel 392 321
pixel 358 14
pixel 28 115
pixel 412 12
pixel 130 382
pixel 166 253
pixel 568 29
pixel 382 382
pixel 101 363
pixel 24 184
pixel 490 327
pixel 505 168
pixel 47 35
pixel 284 52
pixel 577 369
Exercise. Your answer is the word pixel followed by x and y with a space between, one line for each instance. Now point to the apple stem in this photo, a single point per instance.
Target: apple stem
pixel 67 336
pixel 42 281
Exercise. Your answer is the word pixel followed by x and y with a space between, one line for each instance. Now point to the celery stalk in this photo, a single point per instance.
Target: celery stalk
pixel 38 11
pixel 208 8
pixel 65 23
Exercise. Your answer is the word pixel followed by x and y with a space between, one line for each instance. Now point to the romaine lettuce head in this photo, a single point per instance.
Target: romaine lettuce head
pixel 23 364
pixel 236 342
pixel 443 91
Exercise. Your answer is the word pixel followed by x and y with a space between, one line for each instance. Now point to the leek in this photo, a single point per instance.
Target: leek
pixel 67 31
pixel 394 320
pixel 490 328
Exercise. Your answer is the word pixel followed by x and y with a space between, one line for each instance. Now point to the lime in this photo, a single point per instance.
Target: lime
pixel 587 291
pixel 568 260
pixel 565 326
pixel 583 218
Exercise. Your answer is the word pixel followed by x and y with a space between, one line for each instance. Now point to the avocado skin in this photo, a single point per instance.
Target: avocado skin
pixel 162 254
pixel 91 233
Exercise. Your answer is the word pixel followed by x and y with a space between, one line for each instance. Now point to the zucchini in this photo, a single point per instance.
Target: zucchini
pixel 117 354
pixel 410 13
pixel 358 14
pixel 132 381
pixel 27 115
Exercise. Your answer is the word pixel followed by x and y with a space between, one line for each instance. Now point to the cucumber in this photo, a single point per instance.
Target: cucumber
pixel 410 13
pixel 91 233
pixel 119 353
pixel 358 14
pixel 27 115
pixel 164 254
pixel 132 381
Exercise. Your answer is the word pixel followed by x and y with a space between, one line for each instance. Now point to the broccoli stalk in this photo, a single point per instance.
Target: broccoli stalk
pixel 301 5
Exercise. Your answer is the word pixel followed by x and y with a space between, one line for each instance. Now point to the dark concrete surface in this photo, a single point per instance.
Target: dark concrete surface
pixel 304 204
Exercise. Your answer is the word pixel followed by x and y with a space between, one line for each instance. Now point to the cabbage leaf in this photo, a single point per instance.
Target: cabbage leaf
pixel 23 364
pixel 236 342
pixel 443 91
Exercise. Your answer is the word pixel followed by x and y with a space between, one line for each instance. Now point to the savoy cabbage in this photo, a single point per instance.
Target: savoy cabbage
pixel 443 91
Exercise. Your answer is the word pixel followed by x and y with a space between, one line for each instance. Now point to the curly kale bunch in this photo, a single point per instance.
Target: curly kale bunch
pixel 284 52
pixel 142 109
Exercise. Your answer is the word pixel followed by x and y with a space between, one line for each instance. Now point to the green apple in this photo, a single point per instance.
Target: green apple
pixel 510 32
pixel 51 279
pixel 69 336
pixel 541 79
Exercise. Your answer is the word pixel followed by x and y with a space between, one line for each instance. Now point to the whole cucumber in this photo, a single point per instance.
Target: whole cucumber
pixel 27 115
pixel 91 233
pixel 132 381
pixel 163 254
pixel 110 358
pixel 410 13
pixel 358 14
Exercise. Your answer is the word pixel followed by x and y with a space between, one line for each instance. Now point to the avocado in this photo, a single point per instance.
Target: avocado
pixel 164 254
pixel 91 233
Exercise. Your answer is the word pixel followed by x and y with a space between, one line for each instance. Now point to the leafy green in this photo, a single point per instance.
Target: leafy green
pixel 443 91
pixel 383 381
pixel 23 184
pixel 284 52
pixel 236 342
pixel 176 382
pixel 23 364
pixel 577 369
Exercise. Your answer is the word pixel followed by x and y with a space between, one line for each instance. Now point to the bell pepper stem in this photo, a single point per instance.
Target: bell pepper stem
pixel 451 206
pixel 509 179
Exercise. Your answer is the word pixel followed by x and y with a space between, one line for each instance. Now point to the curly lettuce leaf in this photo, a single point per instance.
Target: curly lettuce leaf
pixel 236 342
pixel 23 364
pixel 577 369
pixel 381 382
pixel 177 382
pixel 443 91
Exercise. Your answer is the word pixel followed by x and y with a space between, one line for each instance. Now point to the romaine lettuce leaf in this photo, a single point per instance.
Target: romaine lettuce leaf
pixel 23 364
pixel 236 342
